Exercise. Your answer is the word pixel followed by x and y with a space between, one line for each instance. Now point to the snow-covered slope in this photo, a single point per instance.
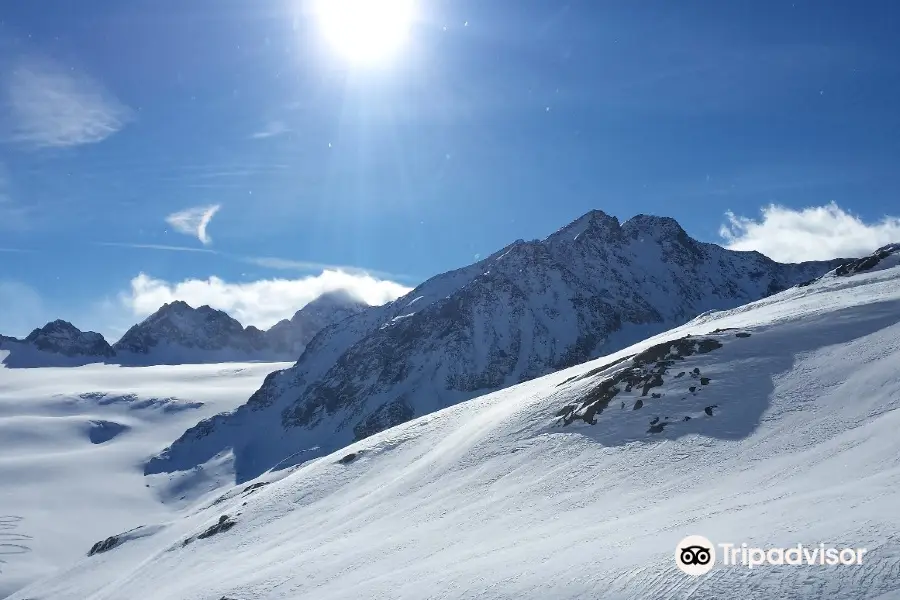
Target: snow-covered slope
pixel 531 308
pixel 773 424
pixel 58 343
pixel 72 444
pixel 291 336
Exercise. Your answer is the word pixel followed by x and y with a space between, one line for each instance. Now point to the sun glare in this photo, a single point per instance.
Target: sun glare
pixel 366 31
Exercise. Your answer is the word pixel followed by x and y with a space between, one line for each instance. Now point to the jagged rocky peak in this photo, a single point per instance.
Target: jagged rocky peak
pixel 595 224
pixel 654 227
pixel 183 316
pixel 61 337
pixel 178 323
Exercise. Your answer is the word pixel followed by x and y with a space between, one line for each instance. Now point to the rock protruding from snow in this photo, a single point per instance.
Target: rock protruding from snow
pixel 655 367
pixel 883 258
pixel 593 287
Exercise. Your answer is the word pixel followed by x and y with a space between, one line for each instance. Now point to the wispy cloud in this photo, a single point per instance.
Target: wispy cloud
pixel 261 303
pixel 194 221
pixel 54 107
pixel 16 250
pixel 284 264
pixel 266 262
pixel 157 247
pixel 272 129
pixel 812 233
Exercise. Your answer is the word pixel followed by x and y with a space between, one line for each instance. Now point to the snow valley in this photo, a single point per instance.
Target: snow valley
pixel 546 423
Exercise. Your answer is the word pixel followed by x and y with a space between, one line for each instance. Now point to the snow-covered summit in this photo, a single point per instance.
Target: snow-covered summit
pixel 592 287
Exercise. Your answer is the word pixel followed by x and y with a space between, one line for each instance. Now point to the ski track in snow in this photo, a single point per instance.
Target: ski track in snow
pixel 496 499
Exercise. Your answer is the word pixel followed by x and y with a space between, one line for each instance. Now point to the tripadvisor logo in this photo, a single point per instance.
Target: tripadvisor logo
pixel 696 555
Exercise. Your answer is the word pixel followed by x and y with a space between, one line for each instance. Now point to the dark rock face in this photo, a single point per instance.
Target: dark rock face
pixel 384 417
pixel 591 288
pixel 348 458
pixel 867 263
pixel 224 523
pixel 850 267
pixel 104 545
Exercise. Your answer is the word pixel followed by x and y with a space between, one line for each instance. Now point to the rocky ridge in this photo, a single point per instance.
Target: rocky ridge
pixel 177 334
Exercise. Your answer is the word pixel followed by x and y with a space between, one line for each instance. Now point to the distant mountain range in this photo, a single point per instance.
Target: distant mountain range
pixel 593 287
pixel 179 334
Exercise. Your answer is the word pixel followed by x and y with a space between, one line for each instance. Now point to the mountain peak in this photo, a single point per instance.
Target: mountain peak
pixel 294 334
pixel 335 298
pixel 177 325
pixel 61 337
pixel 593 223
pixel 176 305
pixel 58 327
pixel 654 227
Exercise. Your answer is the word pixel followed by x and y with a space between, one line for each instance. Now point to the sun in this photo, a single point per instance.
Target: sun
pixel 366 31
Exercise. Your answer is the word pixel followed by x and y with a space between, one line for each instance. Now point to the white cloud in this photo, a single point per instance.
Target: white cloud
pixel 193 221
pixel 56 107
pixel 813 233
pixel 261 303
pixel 272 129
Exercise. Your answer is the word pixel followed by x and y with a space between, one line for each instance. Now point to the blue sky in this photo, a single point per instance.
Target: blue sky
pixel 121 123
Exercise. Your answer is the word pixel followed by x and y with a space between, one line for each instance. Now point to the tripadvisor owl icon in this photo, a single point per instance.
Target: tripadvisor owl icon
pixel 695 555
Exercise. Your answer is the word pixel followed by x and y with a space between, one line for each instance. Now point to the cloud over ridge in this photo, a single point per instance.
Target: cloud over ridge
pixel 812 233
pixel 261 303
